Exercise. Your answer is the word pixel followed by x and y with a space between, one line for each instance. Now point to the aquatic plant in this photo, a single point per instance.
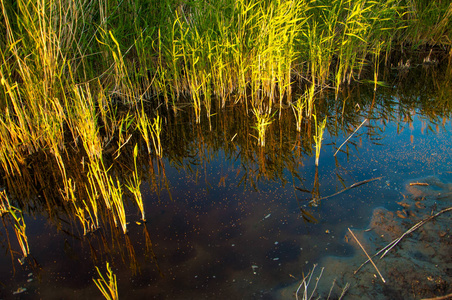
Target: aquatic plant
pixel 156 130
pixel 18 221
pixel 75 78
pixel 107 284
pixel 318 137
pixel 263 120
pixel 304 287
pixel 143 127
pixel 134 184
pixel 298 109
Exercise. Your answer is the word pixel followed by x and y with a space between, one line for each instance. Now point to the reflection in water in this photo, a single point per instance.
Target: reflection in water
pixel 225 217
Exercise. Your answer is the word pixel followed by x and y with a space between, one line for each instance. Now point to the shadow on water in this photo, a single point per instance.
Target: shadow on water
pixel 227 219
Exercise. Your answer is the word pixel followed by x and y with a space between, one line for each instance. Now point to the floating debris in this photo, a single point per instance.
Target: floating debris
pixel 276 243
pixel 254 268
pixel 21 260
pixel 403 204
pixel 419 183
pixel 419 205
pixel 402 214
pixel 276 258
pixel 19 291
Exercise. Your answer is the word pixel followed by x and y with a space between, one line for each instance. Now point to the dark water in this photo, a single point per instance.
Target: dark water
pixel 226 220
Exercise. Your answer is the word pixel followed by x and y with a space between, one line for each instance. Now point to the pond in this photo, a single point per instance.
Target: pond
pixel 227 219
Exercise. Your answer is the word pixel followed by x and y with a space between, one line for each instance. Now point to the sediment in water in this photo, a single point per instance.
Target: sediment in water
pixel 419 266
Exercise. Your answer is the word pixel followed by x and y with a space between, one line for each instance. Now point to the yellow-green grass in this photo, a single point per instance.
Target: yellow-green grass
pixel 78 74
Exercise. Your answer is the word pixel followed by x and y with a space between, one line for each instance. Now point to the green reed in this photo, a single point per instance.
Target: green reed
pixel 298 109
pixel 143 125
pixel 318 137
pixel 18 220
pixel 263 120
pixel 134 184
pixel 76 74
pixel 156 130
pixel 107 284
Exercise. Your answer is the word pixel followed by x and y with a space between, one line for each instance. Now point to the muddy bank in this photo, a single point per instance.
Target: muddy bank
pixel 419 266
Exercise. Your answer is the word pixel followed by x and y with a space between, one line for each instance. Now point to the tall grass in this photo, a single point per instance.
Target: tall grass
pixel 17 221
pixel 318 137
pixel 78 74
pixel 134 185
pixel 107 284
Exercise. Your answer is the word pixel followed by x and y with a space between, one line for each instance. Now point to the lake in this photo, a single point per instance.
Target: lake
pixel 227 219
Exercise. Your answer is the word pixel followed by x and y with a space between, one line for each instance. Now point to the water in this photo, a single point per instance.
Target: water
pixel 226 220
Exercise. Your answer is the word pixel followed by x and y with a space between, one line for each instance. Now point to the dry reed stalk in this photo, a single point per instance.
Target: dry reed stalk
pixel 365 120
pixel 307 280
pixel 378 271
pixel 419 183
pixel 397 240
pixel 445 297
pixel 306 284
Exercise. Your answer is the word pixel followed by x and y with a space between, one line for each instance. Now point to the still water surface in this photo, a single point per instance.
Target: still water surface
pixel 222 225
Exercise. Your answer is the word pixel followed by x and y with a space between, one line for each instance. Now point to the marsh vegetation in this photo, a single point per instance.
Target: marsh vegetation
pixel 99 97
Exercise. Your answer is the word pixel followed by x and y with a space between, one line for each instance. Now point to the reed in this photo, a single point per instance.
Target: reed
pixel 107 284
pixel 134 184
pixel 318 137
pixel 143 127
pixel 4 203
pixel 75 74
pixel 18 220
pixel 263 120
pixel 298 109
pixel 156 130
pixel 117 203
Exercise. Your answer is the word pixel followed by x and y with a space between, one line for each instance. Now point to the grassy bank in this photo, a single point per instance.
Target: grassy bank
pixel 86 75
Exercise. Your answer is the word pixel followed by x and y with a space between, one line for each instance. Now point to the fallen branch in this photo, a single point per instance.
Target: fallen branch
pixel 370 259
pixel 397 240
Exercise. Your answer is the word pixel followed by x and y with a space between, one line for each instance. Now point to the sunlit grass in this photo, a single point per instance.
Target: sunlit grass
pixel 78 75
pixel 17 220
pixel 107 284
pixel 263 120
pixel 134 184
pixel 318 137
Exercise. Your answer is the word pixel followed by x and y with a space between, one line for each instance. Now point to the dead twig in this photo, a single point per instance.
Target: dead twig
pixel 344 290
pixel 397 240
pixel 341 191
pixel 378 271
pixel 365 120
pixel 445 297
pixel 306 283
pixel 307 280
